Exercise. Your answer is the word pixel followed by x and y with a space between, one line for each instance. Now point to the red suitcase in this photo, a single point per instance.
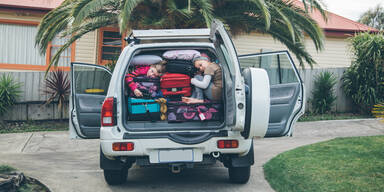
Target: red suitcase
pixel 175 84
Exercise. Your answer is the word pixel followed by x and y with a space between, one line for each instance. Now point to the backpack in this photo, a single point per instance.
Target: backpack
pixel 149 87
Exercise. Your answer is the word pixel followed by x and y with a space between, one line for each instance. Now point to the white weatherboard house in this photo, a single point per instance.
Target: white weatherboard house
pixel 19 57
pixel 19 20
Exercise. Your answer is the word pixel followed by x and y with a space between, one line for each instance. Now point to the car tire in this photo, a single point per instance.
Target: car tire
pixel 116 177
pixel 239 175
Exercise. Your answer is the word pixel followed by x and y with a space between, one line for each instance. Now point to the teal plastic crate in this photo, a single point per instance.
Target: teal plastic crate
pixel 140 106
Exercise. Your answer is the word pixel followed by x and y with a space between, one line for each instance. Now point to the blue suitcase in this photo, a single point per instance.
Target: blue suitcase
pixel 143 109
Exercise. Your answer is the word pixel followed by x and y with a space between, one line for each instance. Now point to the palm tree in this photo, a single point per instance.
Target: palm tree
pixel 282 19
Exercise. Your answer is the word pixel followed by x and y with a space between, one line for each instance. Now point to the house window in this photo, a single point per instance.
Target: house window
pixel 66 57
pixel 110 45
pixel 18 45
pixel 18 51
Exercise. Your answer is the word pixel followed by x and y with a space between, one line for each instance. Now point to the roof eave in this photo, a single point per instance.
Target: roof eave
pixel 26 7
pixel 331 32
pixel 350 30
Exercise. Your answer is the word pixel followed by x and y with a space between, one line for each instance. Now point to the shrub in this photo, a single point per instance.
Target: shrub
pixel 57 88
pixel 323 93
pixel 112 63
pixel 361 81
pixel 378 110
pixel 9 92
pixel 6 169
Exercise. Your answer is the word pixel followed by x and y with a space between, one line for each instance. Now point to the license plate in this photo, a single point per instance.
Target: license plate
pixel 180 155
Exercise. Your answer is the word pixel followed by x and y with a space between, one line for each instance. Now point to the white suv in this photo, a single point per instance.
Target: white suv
pixel 263 99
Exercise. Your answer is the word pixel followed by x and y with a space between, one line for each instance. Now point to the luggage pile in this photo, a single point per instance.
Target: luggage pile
pixel 148 86
pixel 143 109
pixel 176 85
pixel 176 82
pixel 161 98
pixel 181 112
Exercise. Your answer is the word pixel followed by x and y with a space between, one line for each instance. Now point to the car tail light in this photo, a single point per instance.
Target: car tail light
pixel 108 112
pixel 223 144
pixel 123 146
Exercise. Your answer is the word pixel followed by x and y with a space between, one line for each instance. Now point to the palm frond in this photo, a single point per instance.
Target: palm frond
pixel 173 9
pixel 205 8
pixel 310 5
pixel 297 48
pixel 285 19
pixel 264 12
pixel 279 18
pixel 305 23
pixel 90 25
pixel 95 15
pixel 125 14
pixel 52 24
pixel 84 8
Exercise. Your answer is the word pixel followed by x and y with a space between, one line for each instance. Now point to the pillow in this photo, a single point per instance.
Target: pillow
pixel 146 59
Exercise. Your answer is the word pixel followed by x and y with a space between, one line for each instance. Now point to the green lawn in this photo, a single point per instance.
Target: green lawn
pixel 33 126
pixel 331 116
pixel 343 164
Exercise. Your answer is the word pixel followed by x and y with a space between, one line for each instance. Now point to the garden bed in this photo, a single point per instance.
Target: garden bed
pixel 331 116
pixel 34 126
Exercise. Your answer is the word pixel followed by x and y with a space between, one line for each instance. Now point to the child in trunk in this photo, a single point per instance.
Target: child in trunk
pixel 208 85
pixel 151 71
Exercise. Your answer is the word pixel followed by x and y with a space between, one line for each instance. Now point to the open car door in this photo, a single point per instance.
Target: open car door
pixel 89 86
pixel 286 90
pixel 253 103
pixel 233 85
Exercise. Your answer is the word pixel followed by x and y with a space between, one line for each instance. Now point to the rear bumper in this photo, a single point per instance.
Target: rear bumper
pixel 151 147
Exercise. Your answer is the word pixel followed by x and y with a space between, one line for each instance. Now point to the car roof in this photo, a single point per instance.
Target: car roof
pixel 169 35
pixel 176 45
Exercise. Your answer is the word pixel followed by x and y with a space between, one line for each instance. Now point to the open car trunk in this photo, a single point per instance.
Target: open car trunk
pixel 148 113
pixel 274 91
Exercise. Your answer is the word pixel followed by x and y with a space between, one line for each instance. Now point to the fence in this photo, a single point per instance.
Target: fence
pixel 342 104
pixel 31 103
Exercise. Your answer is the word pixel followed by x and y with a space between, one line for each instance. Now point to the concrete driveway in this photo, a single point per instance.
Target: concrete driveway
pixel 73 165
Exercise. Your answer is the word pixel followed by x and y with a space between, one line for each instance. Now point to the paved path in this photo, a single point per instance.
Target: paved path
pixel 66 165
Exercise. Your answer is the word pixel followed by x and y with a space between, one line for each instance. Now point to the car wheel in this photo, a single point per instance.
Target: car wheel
pixel 116 177
pixel 239 174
